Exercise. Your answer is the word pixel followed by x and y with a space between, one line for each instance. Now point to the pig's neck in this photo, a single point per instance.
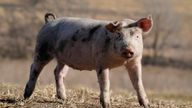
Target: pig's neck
pixel 111 59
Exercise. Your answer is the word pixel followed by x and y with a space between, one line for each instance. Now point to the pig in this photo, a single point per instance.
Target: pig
pixel 89 44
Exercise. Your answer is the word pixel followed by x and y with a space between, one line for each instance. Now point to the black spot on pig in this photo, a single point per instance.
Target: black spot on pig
pixel 91 32
pixel 107 44
pixel 75 36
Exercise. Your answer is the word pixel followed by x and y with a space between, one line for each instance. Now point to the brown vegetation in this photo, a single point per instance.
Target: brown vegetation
pixel 168 83
pixel 11 96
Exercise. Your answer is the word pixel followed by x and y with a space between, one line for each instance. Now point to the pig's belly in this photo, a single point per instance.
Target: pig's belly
pixel 78 58
pixel 83 57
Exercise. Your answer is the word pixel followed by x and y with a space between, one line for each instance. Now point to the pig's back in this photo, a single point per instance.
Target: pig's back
pixel 79 42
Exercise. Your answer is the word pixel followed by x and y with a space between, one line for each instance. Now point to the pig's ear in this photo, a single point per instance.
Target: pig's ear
pixel 145 24
pixel 114 26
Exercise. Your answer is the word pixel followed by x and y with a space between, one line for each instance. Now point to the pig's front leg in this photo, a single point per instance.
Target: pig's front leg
pixel 135 73
pixel 104 83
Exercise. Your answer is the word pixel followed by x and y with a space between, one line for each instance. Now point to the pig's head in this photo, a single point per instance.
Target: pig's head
pixel 128 36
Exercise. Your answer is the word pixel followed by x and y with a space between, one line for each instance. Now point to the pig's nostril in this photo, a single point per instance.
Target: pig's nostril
pixel 128 53
pixel 124 53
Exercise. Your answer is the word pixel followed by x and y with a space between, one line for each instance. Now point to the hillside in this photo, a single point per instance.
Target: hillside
pixel 21 20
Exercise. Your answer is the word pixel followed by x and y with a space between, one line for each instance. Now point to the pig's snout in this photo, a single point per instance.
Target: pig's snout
pixel 127 53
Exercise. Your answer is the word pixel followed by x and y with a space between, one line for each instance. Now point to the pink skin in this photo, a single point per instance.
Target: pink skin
pixel 91 47
pixel 104 84
pixel 135 73
pixel 60 72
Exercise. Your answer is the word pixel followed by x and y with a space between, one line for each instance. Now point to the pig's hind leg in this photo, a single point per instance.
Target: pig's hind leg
pixel 36 68
pixel 42 56
pixel 60 72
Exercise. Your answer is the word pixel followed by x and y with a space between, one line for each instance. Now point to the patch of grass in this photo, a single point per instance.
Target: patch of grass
pixel 44 96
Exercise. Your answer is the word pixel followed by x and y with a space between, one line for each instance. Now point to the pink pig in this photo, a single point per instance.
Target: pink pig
pixel 88 44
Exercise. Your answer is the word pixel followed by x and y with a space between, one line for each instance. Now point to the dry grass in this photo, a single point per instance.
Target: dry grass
pixel 44 96
pixel 167 87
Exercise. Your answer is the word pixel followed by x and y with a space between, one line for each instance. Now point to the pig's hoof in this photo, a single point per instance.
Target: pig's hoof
pixel 27 92
pixel 61 96
pixel 105 105
pixel 147 106
pixel 26 95
pixel 144 103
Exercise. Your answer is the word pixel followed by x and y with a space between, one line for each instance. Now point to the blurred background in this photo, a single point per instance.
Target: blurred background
pixel 167 61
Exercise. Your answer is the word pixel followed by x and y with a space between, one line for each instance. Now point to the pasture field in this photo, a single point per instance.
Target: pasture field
pixel 44 97
pixel 166 87
pixel 168 84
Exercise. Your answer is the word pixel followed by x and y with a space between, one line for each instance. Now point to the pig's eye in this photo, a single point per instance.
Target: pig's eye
pixel 119 36
pixel 137 36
